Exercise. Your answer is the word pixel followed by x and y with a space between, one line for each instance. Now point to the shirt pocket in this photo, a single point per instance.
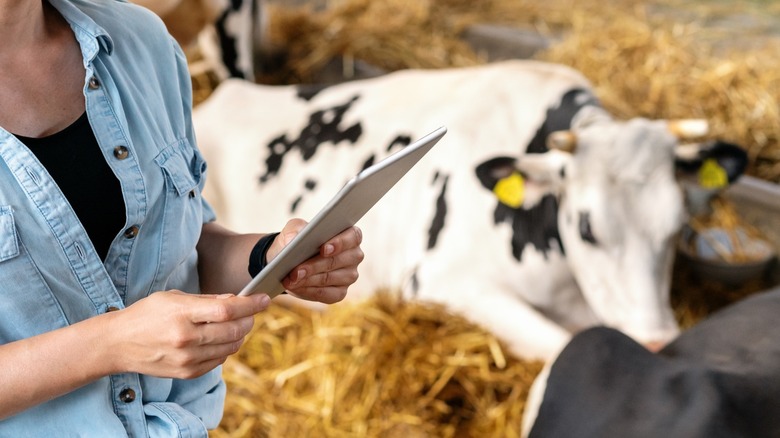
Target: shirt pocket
pixel 9 241
pixel 183 168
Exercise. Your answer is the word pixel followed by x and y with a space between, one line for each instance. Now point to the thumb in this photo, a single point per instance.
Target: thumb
pixel 288 233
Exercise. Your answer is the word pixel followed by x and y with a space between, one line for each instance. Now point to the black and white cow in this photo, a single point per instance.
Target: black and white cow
pixel 230 46
pixel 531 243
pixel 228 33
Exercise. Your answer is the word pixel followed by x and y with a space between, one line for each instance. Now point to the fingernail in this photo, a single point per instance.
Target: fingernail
pixel 328 250
pixel 265 300
pixel 300 274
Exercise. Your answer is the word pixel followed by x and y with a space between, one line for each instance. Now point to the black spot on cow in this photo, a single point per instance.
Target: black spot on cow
pixel 415 283
pixel 368 163
pixel 323 127
pixel 228 47
pixel 308 185
pixel 586 232
pixel 537 225
pixel 560 117
pixel 308 91
pixel 295 203
pixel 439 216
pixel 227 41
pixel 401 142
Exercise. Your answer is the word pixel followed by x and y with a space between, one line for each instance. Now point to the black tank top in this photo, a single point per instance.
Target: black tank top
pixel 73 158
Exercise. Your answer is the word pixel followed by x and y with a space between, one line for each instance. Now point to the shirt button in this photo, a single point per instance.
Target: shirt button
pixel 192 193
pixel 121 152
pixel 127 395
pixel 131 232
pixel 94 84
pixel 112 309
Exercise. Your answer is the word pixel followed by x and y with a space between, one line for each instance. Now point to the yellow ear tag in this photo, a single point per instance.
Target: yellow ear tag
pixel 511 190
pixel 712 175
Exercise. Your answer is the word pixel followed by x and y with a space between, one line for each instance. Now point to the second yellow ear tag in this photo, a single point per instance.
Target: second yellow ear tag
pixel 511 190
pixel 712 175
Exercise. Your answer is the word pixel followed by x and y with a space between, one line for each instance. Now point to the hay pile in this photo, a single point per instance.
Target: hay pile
pixel 397 34
pixel 381 368
pixel 641 64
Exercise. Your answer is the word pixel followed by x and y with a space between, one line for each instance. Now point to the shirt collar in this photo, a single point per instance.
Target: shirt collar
pixel 91 37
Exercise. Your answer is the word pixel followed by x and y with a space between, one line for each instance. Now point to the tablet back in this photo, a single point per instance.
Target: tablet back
pixel 344 210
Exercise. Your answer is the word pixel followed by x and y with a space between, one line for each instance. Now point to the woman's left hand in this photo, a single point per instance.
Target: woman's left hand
pixel 326 276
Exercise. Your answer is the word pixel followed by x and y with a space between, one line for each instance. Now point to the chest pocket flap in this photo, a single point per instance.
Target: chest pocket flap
pixel 9 242
pixel 183 174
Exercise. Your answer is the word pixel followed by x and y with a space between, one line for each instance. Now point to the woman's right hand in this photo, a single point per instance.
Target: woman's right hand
pixel 180 335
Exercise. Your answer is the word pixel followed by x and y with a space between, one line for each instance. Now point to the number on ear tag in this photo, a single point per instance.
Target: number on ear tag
pixel 712 175
pixel 511 190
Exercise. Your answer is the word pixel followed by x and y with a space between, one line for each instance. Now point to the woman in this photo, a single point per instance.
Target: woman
pixel 105 240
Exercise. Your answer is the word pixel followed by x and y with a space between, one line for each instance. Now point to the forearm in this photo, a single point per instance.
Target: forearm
pixel 43 367
pixel 168 334
pixel 223 258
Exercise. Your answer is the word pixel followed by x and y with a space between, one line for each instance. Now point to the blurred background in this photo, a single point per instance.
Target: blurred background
pixel 389 368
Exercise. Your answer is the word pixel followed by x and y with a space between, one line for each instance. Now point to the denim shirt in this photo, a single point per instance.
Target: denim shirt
pixel 138 99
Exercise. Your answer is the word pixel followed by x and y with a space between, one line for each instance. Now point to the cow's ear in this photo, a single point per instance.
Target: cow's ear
pixel 500 176
pixel 494 170
pixel 705 169
pixel 711 165
pixel 525 182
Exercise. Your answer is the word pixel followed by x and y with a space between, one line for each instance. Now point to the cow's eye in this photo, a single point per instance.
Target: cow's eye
pixel 586 233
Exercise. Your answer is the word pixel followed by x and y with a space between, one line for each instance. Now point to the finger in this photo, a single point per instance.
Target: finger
pixel 327 295
pixel 288 233
pixel 225 332
pixel 336 277
pixel 347 239
pixel 317 265
pixel 290 230
pixel 219 351
pixel 226 309
pixel 212 296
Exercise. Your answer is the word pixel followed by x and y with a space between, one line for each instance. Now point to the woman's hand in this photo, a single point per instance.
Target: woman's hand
pixel 179 335
pixel 326 276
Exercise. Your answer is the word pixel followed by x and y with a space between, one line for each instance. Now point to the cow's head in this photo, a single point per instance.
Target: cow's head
pixel 620 206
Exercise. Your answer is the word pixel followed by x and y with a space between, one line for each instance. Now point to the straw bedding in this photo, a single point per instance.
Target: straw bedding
pixel 381 368
pixel 390 368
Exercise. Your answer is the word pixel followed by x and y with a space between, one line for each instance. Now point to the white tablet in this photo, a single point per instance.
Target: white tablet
pixel 343 211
